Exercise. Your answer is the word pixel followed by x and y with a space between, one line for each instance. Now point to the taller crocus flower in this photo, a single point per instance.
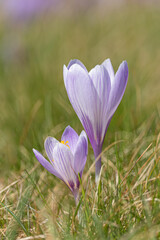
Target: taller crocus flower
pixel 95 96
pixel 67 158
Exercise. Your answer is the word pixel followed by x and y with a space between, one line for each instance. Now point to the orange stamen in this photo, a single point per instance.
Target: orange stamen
pixel 65 143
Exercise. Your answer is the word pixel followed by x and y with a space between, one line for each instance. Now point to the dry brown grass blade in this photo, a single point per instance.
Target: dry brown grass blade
pixel 147 126
pixel 137 149
pixel 100 155
pixel 138 140
pixel 152 179
pixel 12 184
pixel 2 231
pixel 20 180
pixel 123 181
pixel 34 237
pixel 153 168
pixel 141 169
pixel 157 143
pixel 144 175
pixel 110 163
pixel 156 158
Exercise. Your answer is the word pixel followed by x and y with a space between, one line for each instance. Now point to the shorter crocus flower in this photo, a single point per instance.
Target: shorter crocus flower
pixel 95 96
pixel 67 158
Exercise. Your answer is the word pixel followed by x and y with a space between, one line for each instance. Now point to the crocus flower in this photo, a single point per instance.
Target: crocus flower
pixel 67 158
pixel 95 96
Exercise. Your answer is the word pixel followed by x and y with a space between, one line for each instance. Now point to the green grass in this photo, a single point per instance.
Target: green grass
pixel 34 104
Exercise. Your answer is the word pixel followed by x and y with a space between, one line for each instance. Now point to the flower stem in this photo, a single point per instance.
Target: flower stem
pixel 76 196
pixel 78 205
pixel 97 152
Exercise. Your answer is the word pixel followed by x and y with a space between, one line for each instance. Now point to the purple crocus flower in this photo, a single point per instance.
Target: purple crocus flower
pixel 95 96
pixel 67 158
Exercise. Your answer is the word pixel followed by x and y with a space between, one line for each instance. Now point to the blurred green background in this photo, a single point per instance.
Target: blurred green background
pixel 33 100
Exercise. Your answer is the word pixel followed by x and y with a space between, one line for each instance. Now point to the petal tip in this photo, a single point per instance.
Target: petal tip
pixel 34 151
pixel 76 62
pixel 72 62
pixel 84 134
pixel 64 67
pixel 46 140
pixel 125 64
pixel 68 127
pixel 108 60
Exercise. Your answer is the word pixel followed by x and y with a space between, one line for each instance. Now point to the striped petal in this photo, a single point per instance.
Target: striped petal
pixel 49 167
pixel 101 81
pixel 83 97
pixel 81 152
pixel 76 61
pixel 64 165
pixel 49 145
pixel 70 137
pixel 108 66
pixel 117 88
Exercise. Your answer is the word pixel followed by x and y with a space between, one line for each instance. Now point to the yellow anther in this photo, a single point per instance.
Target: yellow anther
pixel 65 143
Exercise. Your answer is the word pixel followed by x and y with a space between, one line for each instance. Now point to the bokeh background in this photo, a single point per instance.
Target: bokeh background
pixel 38 37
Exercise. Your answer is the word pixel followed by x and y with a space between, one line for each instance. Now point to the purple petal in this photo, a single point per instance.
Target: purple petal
pixel 71 137
pixel 101 81
pixel 63 163
pixel 83 97
pixel 49 145
pixel 45 163
pixel 108 66
pixel 81 152
pixel 118 88
pixel 71 63
pixel 76 61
